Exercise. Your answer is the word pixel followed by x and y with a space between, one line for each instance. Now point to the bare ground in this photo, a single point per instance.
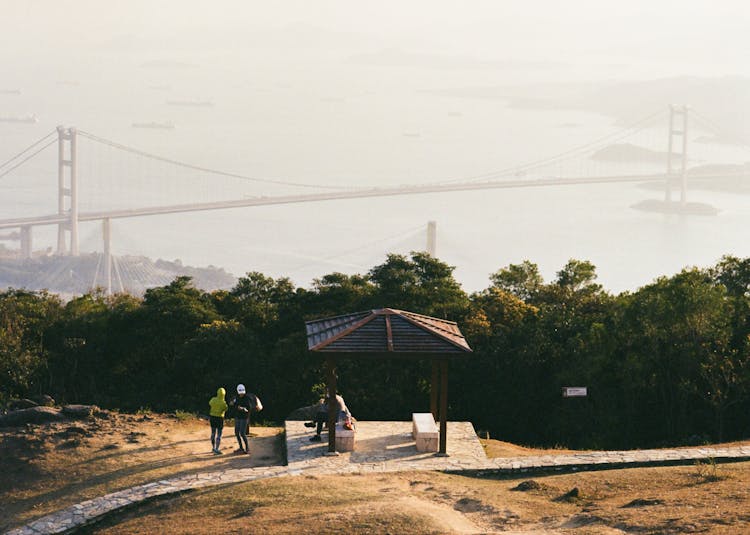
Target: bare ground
pixel 665 500
pixel 48 467
pixel 51 466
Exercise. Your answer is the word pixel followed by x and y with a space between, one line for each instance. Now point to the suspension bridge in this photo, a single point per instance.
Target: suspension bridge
pixel 111 190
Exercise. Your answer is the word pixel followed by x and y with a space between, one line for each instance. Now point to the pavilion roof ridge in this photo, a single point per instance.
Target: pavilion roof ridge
pixel 359 332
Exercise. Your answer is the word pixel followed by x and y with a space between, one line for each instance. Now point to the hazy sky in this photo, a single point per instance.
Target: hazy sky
pixel 342 92
pixel 668 37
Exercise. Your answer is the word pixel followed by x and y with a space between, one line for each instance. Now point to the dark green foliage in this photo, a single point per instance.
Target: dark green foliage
pixel 667 364
pixel 25 318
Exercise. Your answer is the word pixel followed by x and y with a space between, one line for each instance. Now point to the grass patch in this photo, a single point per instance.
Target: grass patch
pixel 184 416
pixel 288 505
pixel 707 471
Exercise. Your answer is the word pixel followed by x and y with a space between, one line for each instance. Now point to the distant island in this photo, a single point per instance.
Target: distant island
pixel 76 275
pixel 733 178
pixel 675 207
pixel 628 152
pixel 720 101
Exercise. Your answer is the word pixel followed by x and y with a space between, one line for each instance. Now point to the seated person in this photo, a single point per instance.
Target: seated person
pixel 321 416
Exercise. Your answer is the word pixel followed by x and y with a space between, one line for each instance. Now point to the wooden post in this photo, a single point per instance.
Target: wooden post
pixel 443 407
pixel 434 386
pixel 332 405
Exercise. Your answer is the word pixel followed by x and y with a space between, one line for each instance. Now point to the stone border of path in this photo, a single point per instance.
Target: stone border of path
pixel 91 511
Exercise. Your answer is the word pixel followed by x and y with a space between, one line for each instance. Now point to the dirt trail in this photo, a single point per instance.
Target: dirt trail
pixel 443 515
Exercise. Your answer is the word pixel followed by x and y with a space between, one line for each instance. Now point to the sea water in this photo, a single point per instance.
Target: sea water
pixel 346 125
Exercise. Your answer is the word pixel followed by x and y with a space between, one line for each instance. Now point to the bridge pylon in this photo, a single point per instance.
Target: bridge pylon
pixel 677 161
pixel 107 238
pixel 432 238
pixel 67 189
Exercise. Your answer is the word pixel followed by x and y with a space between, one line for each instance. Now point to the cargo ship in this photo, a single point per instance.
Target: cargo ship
pixel 191 102
pixel 19 119
pixel 168 125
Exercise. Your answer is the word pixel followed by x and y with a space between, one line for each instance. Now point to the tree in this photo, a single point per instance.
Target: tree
pixel 726 376
pixel 670 326
pixel 421 284
pixel 168 317
pixel 578 275
pixel 24 320
pixel 256 299
pixel 522 280
pixel 338 293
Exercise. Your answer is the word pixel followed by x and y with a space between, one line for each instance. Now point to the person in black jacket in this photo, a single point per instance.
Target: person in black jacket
pixel 242 405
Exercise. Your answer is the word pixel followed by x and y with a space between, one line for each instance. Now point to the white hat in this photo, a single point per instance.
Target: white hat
pixel 240 389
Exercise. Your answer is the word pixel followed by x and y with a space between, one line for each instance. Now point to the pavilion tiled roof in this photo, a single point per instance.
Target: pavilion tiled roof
pixel 385 330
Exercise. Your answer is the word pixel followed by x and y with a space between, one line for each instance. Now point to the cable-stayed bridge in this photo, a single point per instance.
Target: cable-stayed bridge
pixel 99 179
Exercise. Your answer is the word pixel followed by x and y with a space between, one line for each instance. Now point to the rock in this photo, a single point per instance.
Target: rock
pixel 642 502
pixel 18 404
pixel 78 411
pixel 44 400
pixel 75 430
pixel 32 415
pixel 74 443
pixel 572 495
pixel 525 486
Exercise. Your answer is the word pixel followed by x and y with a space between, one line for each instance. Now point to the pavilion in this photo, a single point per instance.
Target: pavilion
pixel 389 333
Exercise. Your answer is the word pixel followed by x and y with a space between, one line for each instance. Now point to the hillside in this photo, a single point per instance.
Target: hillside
pixel 50 466
pixel 68 275
pixel 724 101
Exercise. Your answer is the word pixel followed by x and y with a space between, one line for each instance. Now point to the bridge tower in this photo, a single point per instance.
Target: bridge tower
pixel 107 238
pixel 677 161
pixel 431 238
pixel 26 243
pixel 67 188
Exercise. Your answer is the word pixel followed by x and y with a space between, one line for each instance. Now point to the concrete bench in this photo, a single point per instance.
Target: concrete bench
pixel 424 431
pixel 345 438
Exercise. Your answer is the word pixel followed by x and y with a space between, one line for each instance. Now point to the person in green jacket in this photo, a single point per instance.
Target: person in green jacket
pixel 218 406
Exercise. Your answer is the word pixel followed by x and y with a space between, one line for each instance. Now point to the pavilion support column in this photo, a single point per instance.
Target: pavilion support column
pixel 443 407
pixel 434 388
pixel 332 405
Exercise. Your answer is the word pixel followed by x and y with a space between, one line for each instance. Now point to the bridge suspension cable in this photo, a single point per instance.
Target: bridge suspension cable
pixel 316 260
pixel 714 127
pixel 623 133
pixel 16 164
pixel 186 165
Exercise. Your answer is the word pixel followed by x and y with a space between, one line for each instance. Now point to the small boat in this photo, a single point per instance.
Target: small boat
pixel 168 125
pixel 190 102
pixel 19 119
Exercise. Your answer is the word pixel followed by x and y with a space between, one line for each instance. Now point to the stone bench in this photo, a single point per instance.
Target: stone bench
pixel 425 431
pixel 345 438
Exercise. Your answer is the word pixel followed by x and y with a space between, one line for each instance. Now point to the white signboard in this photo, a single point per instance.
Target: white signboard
pixel 574 391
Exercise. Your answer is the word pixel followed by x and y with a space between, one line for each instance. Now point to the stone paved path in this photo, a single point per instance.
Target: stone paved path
pixel 381 447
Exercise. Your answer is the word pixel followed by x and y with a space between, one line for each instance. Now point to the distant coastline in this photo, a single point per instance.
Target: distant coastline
pixel 76 275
